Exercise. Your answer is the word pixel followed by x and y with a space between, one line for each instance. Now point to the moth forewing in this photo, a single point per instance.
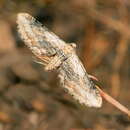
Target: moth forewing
pixel 58 55
pixel 75 79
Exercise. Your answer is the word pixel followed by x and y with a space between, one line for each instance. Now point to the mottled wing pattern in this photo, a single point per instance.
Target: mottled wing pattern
pixel 75 79
pixel 54 53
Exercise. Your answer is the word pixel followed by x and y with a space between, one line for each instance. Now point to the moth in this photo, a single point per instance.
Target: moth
pixel 55 54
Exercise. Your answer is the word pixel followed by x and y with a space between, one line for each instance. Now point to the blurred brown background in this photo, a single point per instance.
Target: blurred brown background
pixel 31 99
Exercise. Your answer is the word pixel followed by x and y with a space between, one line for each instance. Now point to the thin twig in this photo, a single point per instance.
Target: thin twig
pixel 113 102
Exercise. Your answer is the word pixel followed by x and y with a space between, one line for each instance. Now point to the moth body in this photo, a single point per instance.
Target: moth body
pixel 57 55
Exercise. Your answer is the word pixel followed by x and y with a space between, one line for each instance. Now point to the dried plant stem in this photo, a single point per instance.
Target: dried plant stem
pixel 110 22
pixel 114 102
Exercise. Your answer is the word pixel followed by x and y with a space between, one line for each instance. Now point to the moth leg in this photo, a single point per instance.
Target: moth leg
pixel 40 61
pixel 54 63
pixel 93 77
pixel 45 59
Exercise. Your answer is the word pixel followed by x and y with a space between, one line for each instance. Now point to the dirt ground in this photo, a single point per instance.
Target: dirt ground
pixel 32 99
